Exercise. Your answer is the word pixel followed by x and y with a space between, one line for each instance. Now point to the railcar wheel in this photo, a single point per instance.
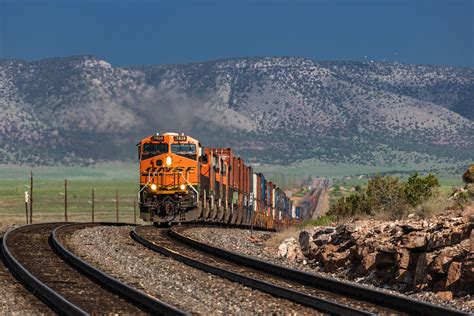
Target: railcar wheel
pixel 227 216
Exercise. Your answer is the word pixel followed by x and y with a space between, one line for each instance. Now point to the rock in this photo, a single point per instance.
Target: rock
pixel 445 295
pixel 420 278
pixel 437 240
pixel 431 254
pixel 467 274
pixel 405 276
pixel 387 247
pixel 454 273
pixel 329 230
pixel 409 227
pixel 414 240
pixel 456 235
pixel 468 212
pixel 324 252
pixel 367 263
pixel 403 258
pixel 322 240
pixel 341 229
pixel 282 249
pixel 336 260
pixel 471 240
pixel 305 241
pixel 385 259
pixel 290 249
pixel 442 260
pixel 468 175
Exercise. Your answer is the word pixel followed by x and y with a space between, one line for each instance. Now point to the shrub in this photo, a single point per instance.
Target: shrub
pixel 388 196
pixel 418 189
pixel 435 204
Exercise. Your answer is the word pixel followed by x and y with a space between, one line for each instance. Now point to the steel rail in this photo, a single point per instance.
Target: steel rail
pixel 381 298
pixel 276 290
pixel 140 298
pixel 52 298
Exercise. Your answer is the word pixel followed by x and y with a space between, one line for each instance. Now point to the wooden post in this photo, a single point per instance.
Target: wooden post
pixel 93 205
pixel 31 196
pixel 27 199
pixel 65 200
pixel 116 206
pixel 134 211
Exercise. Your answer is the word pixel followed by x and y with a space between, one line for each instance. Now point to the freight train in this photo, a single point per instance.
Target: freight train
pixel 180 181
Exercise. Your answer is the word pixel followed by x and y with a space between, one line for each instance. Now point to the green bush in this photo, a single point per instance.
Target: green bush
pixel 418 189
pixel 386 195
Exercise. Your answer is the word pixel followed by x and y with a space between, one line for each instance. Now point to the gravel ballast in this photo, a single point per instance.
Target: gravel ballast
pixel 15 299
pixel 112 250
pixel 240 240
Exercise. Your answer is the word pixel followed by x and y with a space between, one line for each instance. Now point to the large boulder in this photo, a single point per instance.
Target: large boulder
pixel 290 249
pixel 468 175
pixel 435 254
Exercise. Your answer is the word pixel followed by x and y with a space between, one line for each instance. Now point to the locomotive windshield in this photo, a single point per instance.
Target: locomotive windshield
pixel 151 150
pixel 185 150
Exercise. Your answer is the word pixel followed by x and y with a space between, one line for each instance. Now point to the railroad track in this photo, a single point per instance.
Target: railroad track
pixel 324 294
pixel 67 283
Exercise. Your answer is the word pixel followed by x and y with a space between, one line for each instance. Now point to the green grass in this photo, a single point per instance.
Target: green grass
pixel 106 178
pixel 321 221
pixel 48 192
pixel 316 168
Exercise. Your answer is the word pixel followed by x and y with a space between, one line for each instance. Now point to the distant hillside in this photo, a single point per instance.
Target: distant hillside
pixel 279 110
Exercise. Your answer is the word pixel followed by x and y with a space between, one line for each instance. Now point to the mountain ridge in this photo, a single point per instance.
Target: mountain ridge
pixel 271 109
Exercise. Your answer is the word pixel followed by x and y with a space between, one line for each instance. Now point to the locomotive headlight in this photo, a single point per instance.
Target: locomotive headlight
pixel 169 161
pixel 153 187
pixel 182 187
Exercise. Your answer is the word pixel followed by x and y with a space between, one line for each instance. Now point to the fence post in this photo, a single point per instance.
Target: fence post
pixel 134 211
pixel 27 198
pixel 65 200
pixel 31 196
pixel 116 206
pixel 92 205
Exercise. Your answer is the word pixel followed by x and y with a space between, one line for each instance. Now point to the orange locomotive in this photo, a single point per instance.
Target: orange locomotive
pixel 182 182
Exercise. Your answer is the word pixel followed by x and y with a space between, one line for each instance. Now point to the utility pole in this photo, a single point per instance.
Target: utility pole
pixel 65 200
pixel 31 196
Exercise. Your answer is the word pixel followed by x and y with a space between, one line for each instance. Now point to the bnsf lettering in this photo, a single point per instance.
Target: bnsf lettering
pixel 162 170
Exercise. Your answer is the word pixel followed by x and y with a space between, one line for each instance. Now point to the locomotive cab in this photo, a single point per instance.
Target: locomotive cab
pixel 169 176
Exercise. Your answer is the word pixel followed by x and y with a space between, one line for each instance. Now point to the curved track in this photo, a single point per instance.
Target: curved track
pixel 159 240
pixel 325 294
pixel 395 302
pixel 44 265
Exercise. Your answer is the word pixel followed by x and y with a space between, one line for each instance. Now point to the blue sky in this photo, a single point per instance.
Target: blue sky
pixel 161 32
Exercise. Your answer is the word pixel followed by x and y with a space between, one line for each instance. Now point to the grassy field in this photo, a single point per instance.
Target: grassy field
pixel 48 193
pixel 318 168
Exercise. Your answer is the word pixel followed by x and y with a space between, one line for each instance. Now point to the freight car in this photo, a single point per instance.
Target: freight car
pixel 180 181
